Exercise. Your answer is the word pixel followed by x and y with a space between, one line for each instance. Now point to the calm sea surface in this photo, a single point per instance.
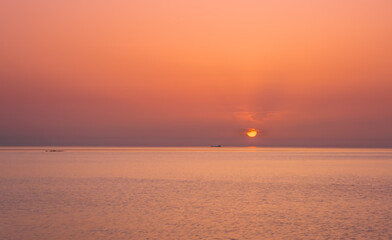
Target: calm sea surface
pixel 195 193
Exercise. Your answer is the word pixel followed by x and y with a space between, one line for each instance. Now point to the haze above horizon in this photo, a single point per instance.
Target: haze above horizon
pixel 189 73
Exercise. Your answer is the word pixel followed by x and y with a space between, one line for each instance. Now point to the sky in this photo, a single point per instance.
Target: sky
pixel 304 73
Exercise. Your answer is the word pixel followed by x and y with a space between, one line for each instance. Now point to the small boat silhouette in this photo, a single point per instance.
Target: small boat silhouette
pixel 54 150
pixel 216 145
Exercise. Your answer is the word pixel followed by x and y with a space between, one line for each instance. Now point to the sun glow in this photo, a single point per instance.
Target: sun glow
pixel 251 132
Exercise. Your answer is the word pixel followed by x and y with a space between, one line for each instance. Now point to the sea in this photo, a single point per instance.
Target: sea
pixel 227 193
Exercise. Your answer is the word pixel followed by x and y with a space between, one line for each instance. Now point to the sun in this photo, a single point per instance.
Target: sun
pixel 251 132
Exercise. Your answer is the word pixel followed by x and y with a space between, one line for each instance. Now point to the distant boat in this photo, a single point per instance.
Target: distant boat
pixel 216 145
pixel 54 150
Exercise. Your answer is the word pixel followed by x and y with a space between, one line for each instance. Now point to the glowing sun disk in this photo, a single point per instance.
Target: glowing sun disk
pixel 251 132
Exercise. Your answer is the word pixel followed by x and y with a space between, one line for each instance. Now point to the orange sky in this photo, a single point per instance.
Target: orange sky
pixel 307 73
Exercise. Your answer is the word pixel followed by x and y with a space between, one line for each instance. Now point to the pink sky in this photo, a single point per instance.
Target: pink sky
pixel 307 73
